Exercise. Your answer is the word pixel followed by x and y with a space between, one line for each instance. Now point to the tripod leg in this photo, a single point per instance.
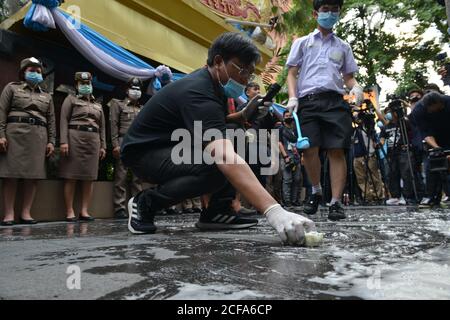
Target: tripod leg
pixel 404 133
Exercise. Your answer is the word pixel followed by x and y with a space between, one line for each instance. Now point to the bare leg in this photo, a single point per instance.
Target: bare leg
pixel 9 198
pixel 88 187
pixel 312 165
pixel 69 192
pixel 338 172
pixel 29 192
pixel 236 203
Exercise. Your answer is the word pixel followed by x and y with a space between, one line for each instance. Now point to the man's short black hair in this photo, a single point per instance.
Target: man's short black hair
pixel 430 87
pixel 432 98
pixel 319 3
pixel 251 85
pixel 234 45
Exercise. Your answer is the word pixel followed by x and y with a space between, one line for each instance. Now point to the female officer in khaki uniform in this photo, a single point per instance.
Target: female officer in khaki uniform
pixel 82 144
pixel 27 137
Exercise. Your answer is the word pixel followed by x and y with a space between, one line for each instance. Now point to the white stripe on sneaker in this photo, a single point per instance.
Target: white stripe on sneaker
pixel 217 217
pixel 230 219
pixel 225 217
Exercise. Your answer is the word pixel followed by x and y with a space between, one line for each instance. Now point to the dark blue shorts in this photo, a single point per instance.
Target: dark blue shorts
pixel 327 122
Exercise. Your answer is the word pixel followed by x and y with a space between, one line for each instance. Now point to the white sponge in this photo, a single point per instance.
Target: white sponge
pixel 313 239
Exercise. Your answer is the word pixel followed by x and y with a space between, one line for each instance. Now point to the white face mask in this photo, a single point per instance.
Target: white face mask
pixel 134 94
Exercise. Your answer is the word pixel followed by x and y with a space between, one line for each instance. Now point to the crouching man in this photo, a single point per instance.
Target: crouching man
pixel 147 148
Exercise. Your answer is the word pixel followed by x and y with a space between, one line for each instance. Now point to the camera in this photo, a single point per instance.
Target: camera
pixel 438 161
pixel 396 105
pixel 365 114
pixel 443 59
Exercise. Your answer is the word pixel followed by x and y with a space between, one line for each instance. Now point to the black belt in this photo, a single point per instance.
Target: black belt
pixel 29 120
pixel 83 128
pixel 321 96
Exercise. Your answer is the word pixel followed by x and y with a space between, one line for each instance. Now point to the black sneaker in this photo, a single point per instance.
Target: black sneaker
pixel 312 204
pixel 121 214
pixel 336 212
pixel 211 219
pixel 140 220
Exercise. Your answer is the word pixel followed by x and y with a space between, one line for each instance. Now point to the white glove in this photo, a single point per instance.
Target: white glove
pixel 291 227
pixel 292 105
pixel 358 92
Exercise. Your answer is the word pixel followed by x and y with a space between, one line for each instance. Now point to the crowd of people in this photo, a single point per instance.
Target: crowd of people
pixel 356 154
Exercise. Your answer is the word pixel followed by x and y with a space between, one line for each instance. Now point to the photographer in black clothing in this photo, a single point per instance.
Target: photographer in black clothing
pixel 291 163
pixel 432 116
pixel 418 152
pixel 399 154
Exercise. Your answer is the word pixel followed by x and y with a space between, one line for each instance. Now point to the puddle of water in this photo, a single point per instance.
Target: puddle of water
pixel 214 291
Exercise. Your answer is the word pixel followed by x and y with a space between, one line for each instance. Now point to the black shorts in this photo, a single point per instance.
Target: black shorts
pixel 327 122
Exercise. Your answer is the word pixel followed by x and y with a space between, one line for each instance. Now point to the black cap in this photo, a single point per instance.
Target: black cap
pixel 134 82
pixel 83 76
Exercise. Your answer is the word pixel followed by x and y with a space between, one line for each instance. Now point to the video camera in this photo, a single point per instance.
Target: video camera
pixel 442 58
pixel 396 105
pixel 438 161
pixel 365 114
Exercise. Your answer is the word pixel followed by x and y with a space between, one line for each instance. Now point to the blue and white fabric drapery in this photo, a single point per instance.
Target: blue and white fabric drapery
pixel 104 54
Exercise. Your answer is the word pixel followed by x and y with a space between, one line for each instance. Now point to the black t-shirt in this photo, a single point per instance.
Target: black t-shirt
pixel 196 97
pixel 393 135
pixel 436 124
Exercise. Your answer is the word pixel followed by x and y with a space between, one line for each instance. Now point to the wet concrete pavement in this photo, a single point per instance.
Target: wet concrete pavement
pixel 377 253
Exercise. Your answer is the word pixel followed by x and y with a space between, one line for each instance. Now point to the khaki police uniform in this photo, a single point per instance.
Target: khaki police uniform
pixel 27 121
pixel 122 114
pixel 83 129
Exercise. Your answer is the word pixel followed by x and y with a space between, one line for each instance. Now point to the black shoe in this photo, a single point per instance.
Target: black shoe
pixel 86 219
pixel 7 223
pixel 140 220
pixel 287 204
pixel 28 222
pixel 74 219
pixel 121 214
pixel 223 219
pixel 336 212
pixel 312 204
pixel 188 211
pixel 296 204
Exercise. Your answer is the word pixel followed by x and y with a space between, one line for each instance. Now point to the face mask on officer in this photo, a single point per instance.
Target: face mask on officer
pixel 232 88
pixel 85 89
pixel 389 116
pixel 33 77
pixel 134 94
